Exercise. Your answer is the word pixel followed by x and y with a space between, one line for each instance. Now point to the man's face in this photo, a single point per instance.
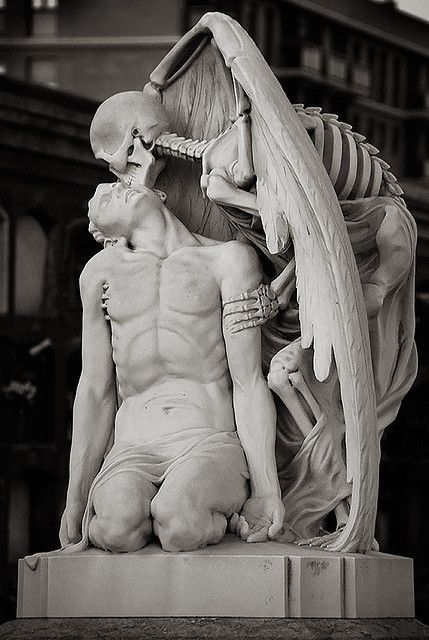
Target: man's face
pixel 114 209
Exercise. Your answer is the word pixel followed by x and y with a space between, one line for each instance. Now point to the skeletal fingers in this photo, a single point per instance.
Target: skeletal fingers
pixel 261 305
pixel 321 542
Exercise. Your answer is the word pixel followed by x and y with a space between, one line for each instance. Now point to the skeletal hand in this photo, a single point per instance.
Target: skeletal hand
pixel 219 186
pixel 286 362
pixel 231 154
pixel 250 309
pixel 287 381
pixel 261 519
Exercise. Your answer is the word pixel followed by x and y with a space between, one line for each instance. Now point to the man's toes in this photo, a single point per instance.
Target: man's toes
pixel 233 521
pixel 243 528
pixel 253 528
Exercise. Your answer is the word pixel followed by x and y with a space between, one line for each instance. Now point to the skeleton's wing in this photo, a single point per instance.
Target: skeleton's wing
pixel 197 90
pixel 296 196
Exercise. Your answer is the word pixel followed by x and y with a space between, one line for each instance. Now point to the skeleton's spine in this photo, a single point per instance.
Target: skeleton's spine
pixel 352 164
pixel 170 144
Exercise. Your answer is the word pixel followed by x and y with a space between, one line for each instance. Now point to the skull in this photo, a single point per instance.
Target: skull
pixel 123 133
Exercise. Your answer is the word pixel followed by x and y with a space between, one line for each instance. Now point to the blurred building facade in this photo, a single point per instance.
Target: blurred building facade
pixel 362 60
pixel 47 176
pixel 90 48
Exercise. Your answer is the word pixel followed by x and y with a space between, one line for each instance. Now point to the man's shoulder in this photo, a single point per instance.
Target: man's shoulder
pixel 238 267
pixel 97 267
pixel 229 252
pixel 238 257
pixel 232 260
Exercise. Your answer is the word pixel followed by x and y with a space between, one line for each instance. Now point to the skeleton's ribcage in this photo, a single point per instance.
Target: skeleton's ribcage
pixel 352 164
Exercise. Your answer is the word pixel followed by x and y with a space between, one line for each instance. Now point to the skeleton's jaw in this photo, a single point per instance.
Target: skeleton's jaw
pixel 143 174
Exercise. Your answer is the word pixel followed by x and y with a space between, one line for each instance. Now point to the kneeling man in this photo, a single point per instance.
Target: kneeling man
pixel 194 434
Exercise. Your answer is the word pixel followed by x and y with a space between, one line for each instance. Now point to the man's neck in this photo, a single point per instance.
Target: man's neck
pixel 161 233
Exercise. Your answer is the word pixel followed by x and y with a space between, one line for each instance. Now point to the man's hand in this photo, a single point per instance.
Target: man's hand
pixel 260 519
pixel 71 521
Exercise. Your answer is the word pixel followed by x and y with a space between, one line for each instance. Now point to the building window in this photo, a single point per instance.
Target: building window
pixel 382 136
pixel 4 262
pixel 370 129
pixel 396 139
pixel 355 120
pixel 45 17
pixel 397 81
pixel 44 71
pixel 337 67
pixel 38 5
pixel 311 57
pixel 3 16
pixel 425 86
pixel 31 246
pixel 381 79
pixel 361 78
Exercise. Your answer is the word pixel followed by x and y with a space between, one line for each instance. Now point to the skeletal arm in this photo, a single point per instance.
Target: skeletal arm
pixel 94 407
pixel 228 168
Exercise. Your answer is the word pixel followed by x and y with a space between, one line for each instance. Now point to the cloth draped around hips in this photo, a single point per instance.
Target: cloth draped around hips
pixel 157 458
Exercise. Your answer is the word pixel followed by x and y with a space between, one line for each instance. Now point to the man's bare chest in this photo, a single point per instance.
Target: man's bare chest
pixel 145 286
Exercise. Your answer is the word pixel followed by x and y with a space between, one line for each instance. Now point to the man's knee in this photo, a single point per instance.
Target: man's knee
pixel 118 533
pixel 186 529
pixel 122 514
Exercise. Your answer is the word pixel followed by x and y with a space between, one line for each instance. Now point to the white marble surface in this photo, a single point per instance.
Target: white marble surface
pixel 233 578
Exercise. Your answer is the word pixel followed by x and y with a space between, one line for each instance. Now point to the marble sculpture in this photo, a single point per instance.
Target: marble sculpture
pixel 248 325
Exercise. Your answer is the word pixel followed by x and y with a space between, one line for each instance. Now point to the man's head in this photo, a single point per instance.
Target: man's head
pixel 116 210
pixel 123 132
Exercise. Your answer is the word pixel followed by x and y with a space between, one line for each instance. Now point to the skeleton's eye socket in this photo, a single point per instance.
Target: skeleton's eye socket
pixel 148 145
pixel 135 132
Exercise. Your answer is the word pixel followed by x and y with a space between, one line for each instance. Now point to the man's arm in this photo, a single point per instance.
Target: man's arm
pixel 95 403
pixel 255 414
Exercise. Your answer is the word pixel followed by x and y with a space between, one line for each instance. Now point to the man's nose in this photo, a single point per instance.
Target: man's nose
pixel 119 188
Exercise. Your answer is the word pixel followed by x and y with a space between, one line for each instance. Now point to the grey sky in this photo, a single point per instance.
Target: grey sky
pixel 419 8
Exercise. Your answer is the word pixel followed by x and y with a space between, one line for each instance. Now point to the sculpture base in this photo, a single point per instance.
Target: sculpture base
pixel 233 579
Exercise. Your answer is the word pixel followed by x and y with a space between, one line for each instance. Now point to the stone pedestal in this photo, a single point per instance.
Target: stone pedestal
pixel 232 579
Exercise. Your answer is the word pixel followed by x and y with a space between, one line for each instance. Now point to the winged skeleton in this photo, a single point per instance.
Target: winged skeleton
pixel 273 174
